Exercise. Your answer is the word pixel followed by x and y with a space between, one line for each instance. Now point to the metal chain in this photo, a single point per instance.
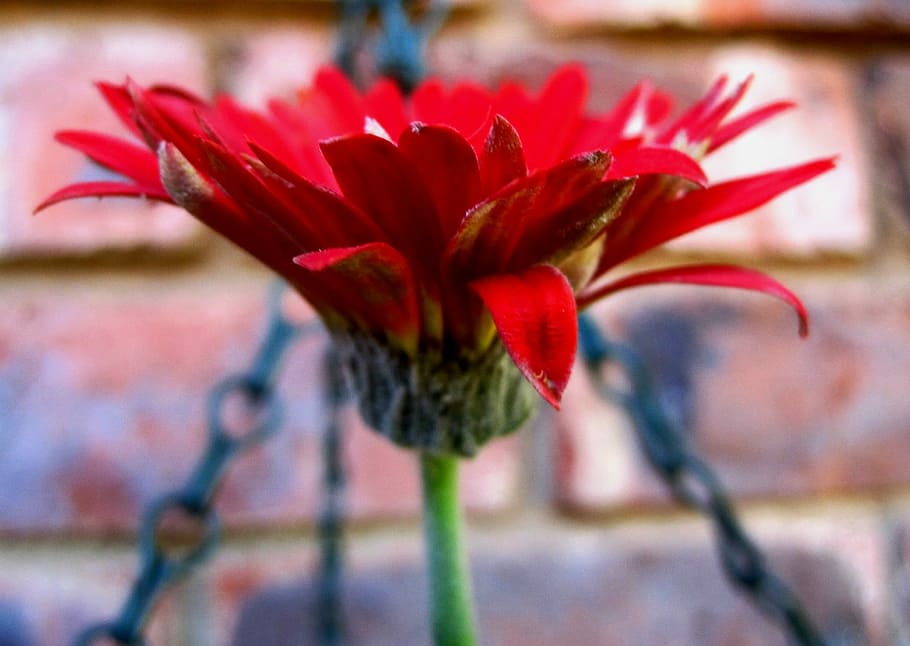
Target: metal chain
pixel 399 43
pixel 693 482
pixel 163 562
pixel 331 518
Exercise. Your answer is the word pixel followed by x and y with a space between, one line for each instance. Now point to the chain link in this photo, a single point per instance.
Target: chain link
pixel 693 482
pixel 398 44
pixel 331 518
pixel 165 562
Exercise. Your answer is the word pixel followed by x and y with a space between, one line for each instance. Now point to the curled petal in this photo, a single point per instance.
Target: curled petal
pixel 709 275
pixel 534 313
pixel 102 189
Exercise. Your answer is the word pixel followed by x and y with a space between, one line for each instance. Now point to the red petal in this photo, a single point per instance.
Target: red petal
pixel 698 209
pixel 336 222
pixel 710 275
pixel 513 102
pixel 376 177
pixel 467 108
pixel 446 164
pixel 102 189
pixel 557 115
pixel 137 163
pixel 658 106
pixel 493 229
pixel 534 313
pixel 237 125
pixel 734 128
pixel 202 198
pixel 119 101
pixel 245 187
pixel 555 235
pixel 344 103
pixel 157 125
pixel 502 159
pixel 312 164
pixel 375 288
pixel 656 160
pixel 428 102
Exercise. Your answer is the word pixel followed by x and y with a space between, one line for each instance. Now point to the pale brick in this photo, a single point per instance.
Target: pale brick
pixel 104 393
pixel 803 15
pixel 776 415
pixel 46 76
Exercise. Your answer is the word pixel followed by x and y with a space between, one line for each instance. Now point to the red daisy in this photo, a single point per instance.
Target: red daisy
pixel 433 232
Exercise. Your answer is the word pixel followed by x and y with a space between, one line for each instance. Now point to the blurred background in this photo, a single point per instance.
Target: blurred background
pixel 117 317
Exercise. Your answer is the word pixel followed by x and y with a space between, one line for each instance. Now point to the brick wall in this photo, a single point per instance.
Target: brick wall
pixel 118 317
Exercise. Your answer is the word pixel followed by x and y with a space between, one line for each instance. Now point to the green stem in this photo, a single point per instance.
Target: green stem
pixel 452 611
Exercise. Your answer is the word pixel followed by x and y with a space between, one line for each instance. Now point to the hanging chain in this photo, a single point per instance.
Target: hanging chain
pixel 164 560
pixel 399 43
pixel 693 483
pixel 331 517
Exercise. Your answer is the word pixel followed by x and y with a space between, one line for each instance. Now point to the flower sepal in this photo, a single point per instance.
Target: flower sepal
pixel 434 403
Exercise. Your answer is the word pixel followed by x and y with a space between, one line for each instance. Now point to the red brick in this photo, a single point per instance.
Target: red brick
pixel 832 215
pixel 711 14
pixel 104 389
pixel 776 415
pixel 47 74
pixel 631 584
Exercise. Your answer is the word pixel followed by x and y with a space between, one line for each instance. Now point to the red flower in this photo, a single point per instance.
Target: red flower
pixel 483 215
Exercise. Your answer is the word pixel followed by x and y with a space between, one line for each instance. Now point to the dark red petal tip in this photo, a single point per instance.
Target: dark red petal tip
pixel 708 275
pixel 101 189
